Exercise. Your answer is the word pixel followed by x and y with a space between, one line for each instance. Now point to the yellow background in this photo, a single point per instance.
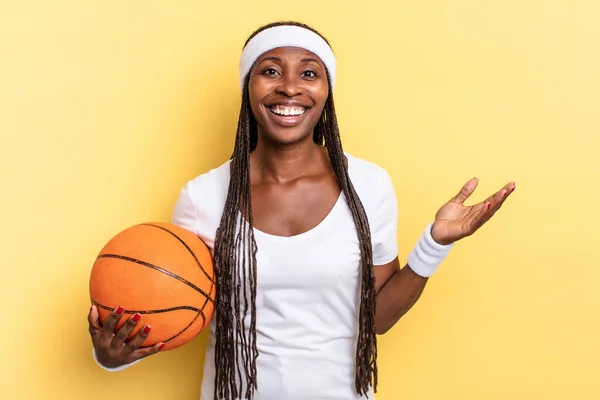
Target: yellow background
pixel 108 108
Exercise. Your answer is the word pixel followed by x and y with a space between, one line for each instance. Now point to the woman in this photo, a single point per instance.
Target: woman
pixel 304 240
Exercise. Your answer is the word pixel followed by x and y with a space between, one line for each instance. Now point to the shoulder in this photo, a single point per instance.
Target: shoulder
pixel 369 179
pixel 211 185
pixel 201 203
pixel 376 192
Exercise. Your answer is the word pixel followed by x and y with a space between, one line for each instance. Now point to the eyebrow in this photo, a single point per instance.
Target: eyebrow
pixel 310 59
pixel 273 58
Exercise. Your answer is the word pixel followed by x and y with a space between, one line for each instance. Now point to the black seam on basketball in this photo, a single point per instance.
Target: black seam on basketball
pixel 194 309
pixel 183 330
pixel 203 318
pixel 159 269
pixel 205 301
pixel 212 280
pixel 198 313
pixel 187 247
pixel 212 285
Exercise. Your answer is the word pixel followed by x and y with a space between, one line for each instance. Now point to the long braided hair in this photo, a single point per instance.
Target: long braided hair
pixel 235 259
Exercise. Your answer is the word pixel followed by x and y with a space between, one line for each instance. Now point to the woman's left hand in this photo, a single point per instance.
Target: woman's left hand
pixel 455 221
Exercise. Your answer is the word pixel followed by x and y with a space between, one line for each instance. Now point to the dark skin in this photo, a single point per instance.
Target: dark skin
pixel 293 184
pixel 294 188
pixel 112 347
pixel 399 289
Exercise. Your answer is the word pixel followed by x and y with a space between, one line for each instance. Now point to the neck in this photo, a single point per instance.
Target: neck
pixel 283 164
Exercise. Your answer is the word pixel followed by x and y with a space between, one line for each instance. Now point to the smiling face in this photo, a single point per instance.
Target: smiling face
pixel 288 88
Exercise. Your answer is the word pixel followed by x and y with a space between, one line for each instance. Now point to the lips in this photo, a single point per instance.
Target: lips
pixel 287 114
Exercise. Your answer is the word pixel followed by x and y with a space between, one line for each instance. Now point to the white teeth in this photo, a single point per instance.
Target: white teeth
pixel 287 111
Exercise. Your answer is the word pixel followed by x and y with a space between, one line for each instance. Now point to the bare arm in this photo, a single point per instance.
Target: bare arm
pixel 397 291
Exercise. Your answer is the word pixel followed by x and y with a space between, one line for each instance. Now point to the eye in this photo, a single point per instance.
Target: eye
pixel 309 74
pixel 269 71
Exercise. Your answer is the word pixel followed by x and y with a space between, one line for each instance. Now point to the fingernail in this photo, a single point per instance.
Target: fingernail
pixel 513 189
pixel 489 205
pixel 120 310
pixel 505 194
pixel 162 346
pixel 136 317
pixel 147 329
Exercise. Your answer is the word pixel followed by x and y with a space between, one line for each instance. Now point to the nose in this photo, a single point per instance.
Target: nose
pixel 289 85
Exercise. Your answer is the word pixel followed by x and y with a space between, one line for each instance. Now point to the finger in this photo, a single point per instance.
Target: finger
pixel 137 340
pixel 94 322
pixel 497 199
pixel 466 191
pixel 486 210
pixel 123 333
pixel 482 217
pixel 146 351
pixel 509 188
pixel 109 325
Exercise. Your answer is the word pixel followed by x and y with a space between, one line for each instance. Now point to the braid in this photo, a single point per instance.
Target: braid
pixel 236 265
pixel 366 348
pixel 235 247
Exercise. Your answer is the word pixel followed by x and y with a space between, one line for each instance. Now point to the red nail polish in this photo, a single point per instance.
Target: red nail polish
pixel 147 329
pixel 505 194
pixel 120 310
pixel 512 190
pixel 162 346
pixel 489 205
pixel 136 317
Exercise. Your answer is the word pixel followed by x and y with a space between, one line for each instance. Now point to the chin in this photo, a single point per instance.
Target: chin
pixel 285 136
pixel 289 139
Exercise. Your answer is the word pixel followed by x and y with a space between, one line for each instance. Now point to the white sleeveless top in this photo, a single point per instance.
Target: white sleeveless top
pixel 308 287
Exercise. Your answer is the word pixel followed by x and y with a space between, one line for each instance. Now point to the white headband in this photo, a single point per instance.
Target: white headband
pixel 286 36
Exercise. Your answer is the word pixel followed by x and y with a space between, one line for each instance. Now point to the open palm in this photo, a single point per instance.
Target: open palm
pixel 455 221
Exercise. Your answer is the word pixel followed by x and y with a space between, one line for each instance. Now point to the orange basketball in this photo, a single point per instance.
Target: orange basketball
pixel 163 272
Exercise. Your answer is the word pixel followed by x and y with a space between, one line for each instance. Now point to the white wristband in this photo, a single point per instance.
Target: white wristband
pixel 427 255
pixel 115 369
